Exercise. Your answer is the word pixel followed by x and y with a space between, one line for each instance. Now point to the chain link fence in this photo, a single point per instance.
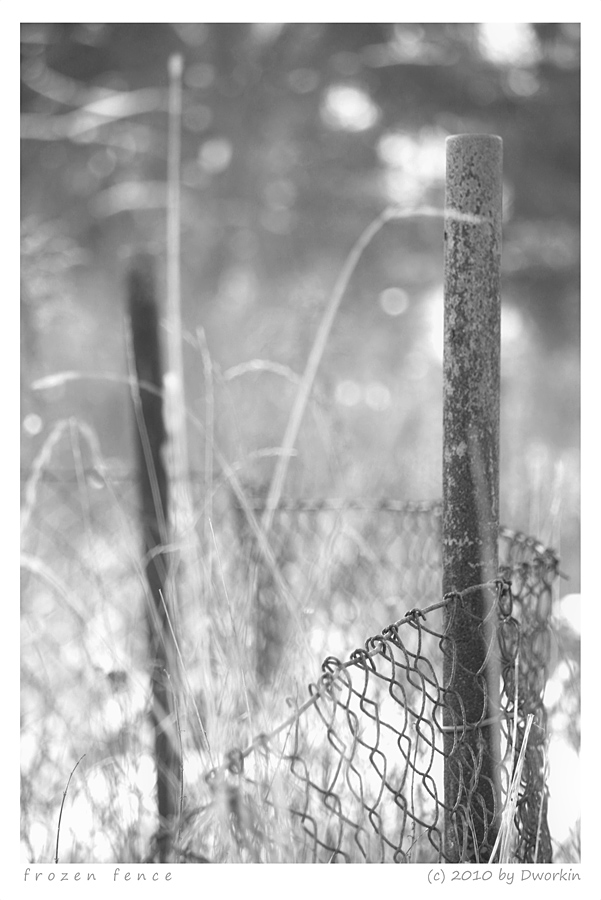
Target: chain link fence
pixel 354 772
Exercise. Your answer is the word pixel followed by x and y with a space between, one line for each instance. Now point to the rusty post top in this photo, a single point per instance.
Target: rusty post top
pixel 474 136
pixel 474 176
pixel 480 145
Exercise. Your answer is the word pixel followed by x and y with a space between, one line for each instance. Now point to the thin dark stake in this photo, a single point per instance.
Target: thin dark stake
pixel 151 438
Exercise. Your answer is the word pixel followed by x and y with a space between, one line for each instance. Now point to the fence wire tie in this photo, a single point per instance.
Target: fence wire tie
pixel 373 646
pixel 414 614
pixel 391 632
pixel 471 727
pixel 502 586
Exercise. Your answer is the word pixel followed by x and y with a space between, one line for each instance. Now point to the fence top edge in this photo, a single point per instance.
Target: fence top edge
pixel 374 646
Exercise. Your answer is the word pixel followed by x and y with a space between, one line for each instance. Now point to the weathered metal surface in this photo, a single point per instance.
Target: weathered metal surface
pixel 473 218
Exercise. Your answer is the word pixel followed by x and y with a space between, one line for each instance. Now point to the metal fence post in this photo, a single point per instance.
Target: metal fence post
pixel 473 215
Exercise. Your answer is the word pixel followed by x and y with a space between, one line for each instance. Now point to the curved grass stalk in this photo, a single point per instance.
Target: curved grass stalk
pixel 319 345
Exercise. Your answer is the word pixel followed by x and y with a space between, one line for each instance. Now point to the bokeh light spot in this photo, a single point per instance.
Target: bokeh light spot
pixel 508 43
pixel 215 155
pixel 32 424
pixel 394 301
pixel 348 108
pixel 348 393
pixel 377 396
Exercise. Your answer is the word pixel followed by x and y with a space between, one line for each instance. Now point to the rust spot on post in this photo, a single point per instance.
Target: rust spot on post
pixel 473 214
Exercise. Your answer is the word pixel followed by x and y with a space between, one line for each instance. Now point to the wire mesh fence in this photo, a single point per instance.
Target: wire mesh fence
pixel 354 771
pixel 357 771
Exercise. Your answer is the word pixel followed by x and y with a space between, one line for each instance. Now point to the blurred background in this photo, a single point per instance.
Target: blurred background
pixel 295 137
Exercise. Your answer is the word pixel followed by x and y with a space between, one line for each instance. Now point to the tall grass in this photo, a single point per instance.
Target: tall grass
pixel 338 578
pixel 251 583
pixel 85 679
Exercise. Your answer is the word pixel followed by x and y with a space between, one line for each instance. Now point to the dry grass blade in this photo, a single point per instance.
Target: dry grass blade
pixel 60 815
pixel 37 470
pixel 41 570
pixel 174 315
pixel 503 843
pixel 227 470
pixel 541 807
pixel 184 673
pixel 261 365
pixel 209 442
pixel 238 641
pixel 319 345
